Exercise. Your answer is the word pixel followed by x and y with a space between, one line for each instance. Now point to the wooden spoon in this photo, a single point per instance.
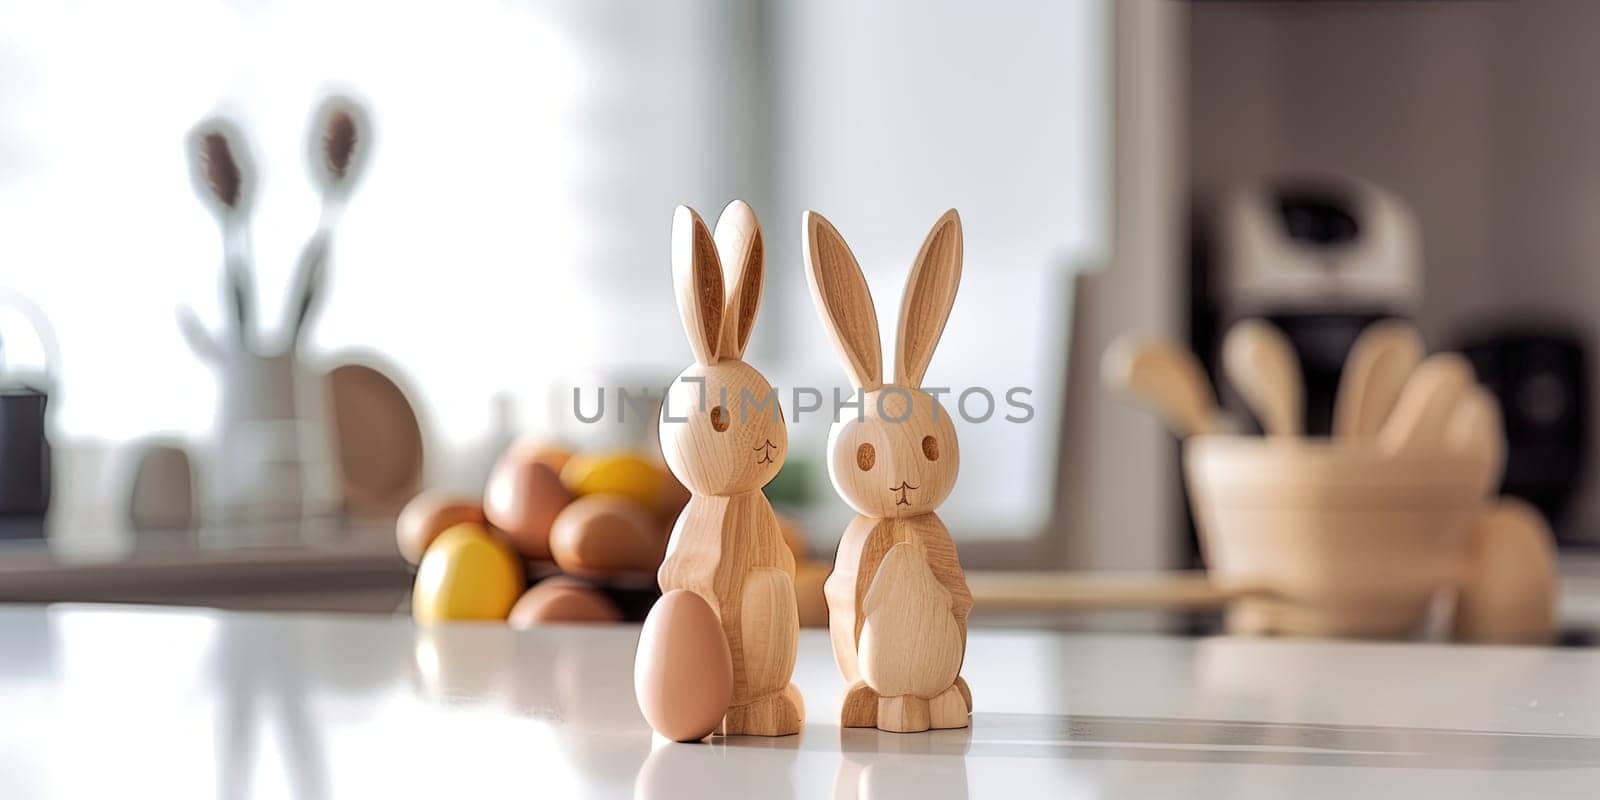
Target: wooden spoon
pixel 1422 415
pixel 1476 430
pixel 1475 426
pixel 1168 379
pixel 1383 357
pixel 1262 366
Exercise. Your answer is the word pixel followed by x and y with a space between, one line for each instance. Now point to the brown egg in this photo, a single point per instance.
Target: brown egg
pixel 428 515
pixel 673 498
pixel 683 672
pixel 605 533
pixel 794 536
pixel 562 600
pixel 553 456
pixel 542 451
pixel 522 499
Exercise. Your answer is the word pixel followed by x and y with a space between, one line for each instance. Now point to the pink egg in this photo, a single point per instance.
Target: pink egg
pixel 683 672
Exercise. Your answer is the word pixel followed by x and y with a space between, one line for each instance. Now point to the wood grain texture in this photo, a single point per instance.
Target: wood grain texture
pixel 930 294
pixel 723 435
pixel 1384 355
pixel 840 292
pixel 910 641
pixel 898 622
pixel 697 280
pixel 743 255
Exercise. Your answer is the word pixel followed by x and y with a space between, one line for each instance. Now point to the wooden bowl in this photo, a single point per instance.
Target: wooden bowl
pixel 1332 538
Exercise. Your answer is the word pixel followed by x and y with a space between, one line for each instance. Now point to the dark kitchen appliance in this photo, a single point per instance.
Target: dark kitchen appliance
pixel 1319 257
pixel 24 441
pixel 1540 375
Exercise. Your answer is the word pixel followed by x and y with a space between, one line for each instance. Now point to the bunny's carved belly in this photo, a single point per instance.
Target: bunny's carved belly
pixel 911 642
pixel 730 551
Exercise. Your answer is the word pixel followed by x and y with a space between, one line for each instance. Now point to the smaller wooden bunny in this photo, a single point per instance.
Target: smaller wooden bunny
pixel 897 599
pixel 723 435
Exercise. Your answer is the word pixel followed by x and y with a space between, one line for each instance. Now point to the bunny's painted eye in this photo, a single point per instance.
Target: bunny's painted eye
pixel 930 448
pixel 865 456
pixel 719 419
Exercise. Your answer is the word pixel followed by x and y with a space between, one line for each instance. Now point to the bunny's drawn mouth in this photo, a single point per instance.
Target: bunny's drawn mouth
pixel 902 490
pixel 766 451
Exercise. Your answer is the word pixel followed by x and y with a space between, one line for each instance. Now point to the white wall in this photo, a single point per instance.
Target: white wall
pixel 886 118
pixel 1119 483
pixel 1546 198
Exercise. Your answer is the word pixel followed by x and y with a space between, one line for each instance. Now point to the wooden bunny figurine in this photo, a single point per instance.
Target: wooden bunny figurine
pixel 897 599
pixel 723 435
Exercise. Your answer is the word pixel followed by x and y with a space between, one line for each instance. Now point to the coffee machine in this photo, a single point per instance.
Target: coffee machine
pixel 1320 257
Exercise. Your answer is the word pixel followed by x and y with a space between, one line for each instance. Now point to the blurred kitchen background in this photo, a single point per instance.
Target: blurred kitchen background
pixel 1147 166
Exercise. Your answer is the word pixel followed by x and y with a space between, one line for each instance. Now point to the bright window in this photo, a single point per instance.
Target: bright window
pixel 511 236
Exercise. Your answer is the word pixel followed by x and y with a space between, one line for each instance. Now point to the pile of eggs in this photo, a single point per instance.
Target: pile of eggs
pixel 556 537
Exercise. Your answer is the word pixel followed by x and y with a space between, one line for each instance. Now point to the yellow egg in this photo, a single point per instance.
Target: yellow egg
pixel 630 476
pixel 466 573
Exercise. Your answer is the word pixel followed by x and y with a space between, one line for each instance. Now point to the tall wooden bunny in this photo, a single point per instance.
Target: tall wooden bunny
pixel 897 598
pixel 723 435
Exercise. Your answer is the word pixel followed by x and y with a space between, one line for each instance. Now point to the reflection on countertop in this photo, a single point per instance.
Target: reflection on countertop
pixel 251 705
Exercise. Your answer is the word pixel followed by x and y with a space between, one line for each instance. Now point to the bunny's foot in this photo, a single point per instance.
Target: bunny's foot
pixel 776 714
pixel 949 709
pixel 793 693
pixel 906 713
pixel 966 691
pixel 860 707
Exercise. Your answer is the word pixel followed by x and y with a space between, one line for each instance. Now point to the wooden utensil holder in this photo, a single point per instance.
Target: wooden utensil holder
pixel 1333 537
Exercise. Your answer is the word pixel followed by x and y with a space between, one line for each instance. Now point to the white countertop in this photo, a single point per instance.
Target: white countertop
pixel 125 701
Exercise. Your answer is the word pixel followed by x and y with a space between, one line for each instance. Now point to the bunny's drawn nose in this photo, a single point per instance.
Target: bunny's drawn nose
pixel 765 452
pixel 903 501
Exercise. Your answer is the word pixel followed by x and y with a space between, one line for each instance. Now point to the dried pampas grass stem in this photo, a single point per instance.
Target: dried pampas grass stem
pixel 221 170
pixel 339 142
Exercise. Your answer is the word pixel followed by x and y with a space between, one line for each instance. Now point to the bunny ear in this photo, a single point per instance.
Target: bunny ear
pixel 697 281
pixel 221 167
pixel 743 254
pixel 930 293
pixel 841 295
pixel 340 143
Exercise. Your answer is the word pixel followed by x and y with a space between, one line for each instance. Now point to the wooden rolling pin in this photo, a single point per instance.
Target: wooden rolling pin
pixel 1097 591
